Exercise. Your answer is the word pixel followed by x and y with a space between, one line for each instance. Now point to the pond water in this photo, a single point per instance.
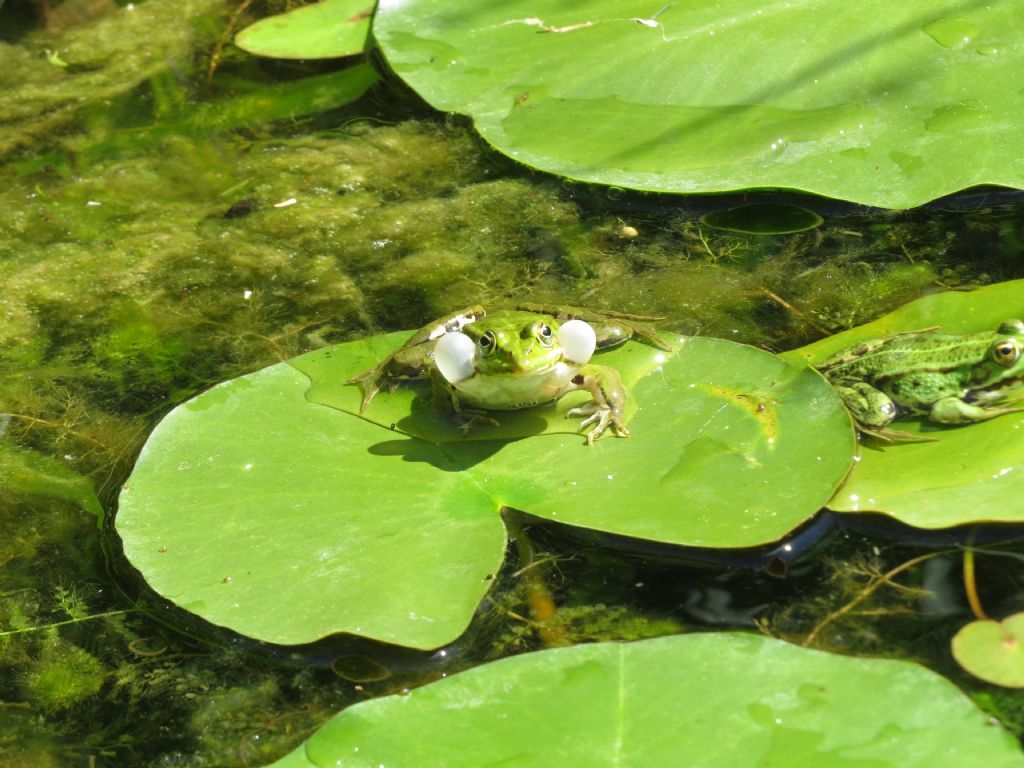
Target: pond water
pixel 159 234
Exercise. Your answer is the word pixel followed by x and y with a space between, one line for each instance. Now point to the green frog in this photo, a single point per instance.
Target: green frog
pixel 480 361
pixel 951 378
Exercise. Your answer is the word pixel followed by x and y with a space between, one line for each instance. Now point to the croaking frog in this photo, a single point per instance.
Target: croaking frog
pixel 951 378
pixel 480 361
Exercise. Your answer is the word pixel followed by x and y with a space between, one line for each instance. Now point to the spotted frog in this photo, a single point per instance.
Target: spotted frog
pixel 950 378
pixel 481 361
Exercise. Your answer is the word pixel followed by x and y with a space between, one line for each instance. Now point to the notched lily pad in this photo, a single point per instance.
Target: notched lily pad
pixel 969 473
pixel 993 650
pixel 268 505
pixel 670 702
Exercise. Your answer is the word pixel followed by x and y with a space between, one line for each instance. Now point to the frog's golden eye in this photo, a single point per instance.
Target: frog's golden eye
pixel 544 334
pixel 1006 353
pixel 487 343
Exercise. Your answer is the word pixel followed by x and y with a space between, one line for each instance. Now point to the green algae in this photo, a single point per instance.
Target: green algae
pixel 63 676
pixel 105 60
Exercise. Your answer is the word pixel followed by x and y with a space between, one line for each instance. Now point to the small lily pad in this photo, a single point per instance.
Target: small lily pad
pixel 763 219
pixel 328 30
pixel 715 700
pixel 271 506
pixel 969 473
pixel 993 650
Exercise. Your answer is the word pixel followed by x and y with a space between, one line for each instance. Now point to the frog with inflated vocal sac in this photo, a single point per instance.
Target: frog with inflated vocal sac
pixel 481 361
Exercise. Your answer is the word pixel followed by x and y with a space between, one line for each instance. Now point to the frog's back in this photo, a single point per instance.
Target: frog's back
pixel 929 352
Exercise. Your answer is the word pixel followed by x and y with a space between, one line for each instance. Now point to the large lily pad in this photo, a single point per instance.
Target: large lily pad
pixel 718 700
pixel 268 506
pixel 876 102
pixel 970 473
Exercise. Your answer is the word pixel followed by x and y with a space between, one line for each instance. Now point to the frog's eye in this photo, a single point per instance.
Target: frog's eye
pixel 578 341
pixel 487 343
pixel 544 334
pixel 453 356
pixel 1006 353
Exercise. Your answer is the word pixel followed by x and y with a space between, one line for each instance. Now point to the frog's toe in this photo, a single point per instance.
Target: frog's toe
pixel 601 418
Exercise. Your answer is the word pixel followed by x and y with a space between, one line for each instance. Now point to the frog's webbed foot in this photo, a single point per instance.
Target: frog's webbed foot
pixel 370 382
pixel 602 416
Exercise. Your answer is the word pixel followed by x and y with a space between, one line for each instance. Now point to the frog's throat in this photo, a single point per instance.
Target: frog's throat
pixel 511 391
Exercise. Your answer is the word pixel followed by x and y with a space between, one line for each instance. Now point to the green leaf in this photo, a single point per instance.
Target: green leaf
pixel 992 650
pixel 721 700
pixel 330 29
pixel 971 473
pixel 29 472
pixel 258 508
pixel 731 95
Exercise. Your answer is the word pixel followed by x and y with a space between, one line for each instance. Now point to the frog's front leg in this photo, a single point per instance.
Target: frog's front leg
pixel 609 398
pixel 953 410
pixel 869 406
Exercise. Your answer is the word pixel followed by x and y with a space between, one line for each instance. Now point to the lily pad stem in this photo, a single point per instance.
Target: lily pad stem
pixel 970 586
pixel 538 596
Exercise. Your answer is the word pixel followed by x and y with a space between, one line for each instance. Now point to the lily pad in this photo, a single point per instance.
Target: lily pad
pixel 328 30
pixel 270 506
pixel 993 650
pixel 970 473
pixel 730 95
pixel 721 700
